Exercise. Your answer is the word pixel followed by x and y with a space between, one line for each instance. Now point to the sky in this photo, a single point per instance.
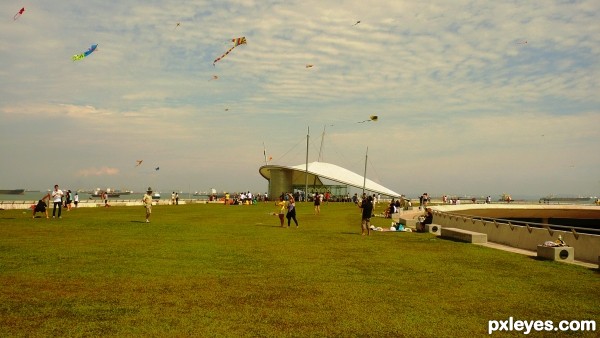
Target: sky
pixel 472 97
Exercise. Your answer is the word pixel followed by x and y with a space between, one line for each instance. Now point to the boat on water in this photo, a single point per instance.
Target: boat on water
pixel 109 193
pixel 12 191
pixel 559 199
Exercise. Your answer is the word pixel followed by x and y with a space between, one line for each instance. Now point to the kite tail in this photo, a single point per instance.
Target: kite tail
pixel 78 57
pixel 225 54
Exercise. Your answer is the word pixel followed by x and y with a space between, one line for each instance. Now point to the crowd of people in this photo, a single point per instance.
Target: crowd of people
pixel 286 205
pixel 56 196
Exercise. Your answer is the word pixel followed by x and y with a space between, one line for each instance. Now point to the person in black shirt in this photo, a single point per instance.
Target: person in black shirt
pixel 41 206
pixel 367 210
pixel 428 220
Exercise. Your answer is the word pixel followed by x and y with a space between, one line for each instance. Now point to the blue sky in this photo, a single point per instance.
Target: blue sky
pixel 464 105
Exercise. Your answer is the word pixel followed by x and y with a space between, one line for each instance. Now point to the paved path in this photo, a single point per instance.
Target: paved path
pixel 530 253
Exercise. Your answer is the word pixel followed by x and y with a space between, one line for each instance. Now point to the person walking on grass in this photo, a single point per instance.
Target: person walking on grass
pixel 57 195
pixel 367 210
pixel 147 200
pixel 291 212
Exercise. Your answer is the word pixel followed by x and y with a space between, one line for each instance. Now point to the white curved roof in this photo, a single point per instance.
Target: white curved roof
pixel 329 171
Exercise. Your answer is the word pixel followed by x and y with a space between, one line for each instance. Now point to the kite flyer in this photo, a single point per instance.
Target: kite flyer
pixel 367 210
pixel 147 200
pixel 291 212
pixel 281 209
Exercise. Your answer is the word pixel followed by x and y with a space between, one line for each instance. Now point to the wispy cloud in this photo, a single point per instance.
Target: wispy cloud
pixel 103 171
pixel 448 80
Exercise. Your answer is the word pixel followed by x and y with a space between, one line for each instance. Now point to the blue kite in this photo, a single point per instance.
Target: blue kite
pixel 85 54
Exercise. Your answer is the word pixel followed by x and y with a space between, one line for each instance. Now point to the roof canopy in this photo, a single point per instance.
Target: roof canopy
pixel 317 170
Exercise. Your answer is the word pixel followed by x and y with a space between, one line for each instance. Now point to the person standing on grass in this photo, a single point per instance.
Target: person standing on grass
pixel 367 210
pixel 105 198
pixel 68 200
pixel 147 200
pixel 291 212
pixel 317 202
pixel 281 209
pixel 76 199
pixel 57 195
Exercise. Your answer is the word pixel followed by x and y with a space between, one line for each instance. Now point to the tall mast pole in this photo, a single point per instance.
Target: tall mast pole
pixel 306 173
pixel 365 174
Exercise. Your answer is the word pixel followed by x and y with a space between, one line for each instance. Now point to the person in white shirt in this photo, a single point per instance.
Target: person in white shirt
pixel 57 195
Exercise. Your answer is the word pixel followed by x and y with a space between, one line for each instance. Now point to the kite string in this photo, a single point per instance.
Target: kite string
pixel 375 170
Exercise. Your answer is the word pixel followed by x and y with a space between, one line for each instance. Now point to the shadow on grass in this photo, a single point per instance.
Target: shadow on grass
pixel 8 218
pixel 137 221
pixel 541 259
pixel 448 239
pixel 267 225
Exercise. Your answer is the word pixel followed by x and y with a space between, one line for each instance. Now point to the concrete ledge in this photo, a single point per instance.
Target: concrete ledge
pixel 433 228
pixel 556 253
pixel 464 235
pixel 408 222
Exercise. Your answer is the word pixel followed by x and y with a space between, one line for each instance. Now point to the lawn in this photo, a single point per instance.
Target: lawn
pixel 231 271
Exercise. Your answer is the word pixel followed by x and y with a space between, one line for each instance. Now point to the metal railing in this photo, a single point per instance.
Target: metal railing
pixel 515 223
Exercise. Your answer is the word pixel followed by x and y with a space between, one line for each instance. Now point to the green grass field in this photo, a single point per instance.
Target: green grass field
pixel 212 270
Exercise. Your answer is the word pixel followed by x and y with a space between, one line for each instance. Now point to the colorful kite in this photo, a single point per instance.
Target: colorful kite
pixel 236 42
pixel 138 162
pixel 371 118
pixel 86 53
pixel 19 13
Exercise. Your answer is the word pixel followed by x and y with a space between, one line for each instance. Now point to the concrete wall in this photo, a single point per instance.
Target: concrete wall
pixel 587 247
pixel 18 205
pixel 281 181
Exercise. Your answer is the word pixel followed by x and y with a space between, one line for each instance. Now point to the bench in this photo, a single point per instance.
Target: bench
pixel 408 222
pixel 464 235
pixel 433 228
pixel 556 253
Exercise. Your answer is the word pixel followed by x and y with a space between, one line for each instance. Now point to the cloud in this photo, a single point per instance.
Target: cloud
pixel 450 73
pixel 103 171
